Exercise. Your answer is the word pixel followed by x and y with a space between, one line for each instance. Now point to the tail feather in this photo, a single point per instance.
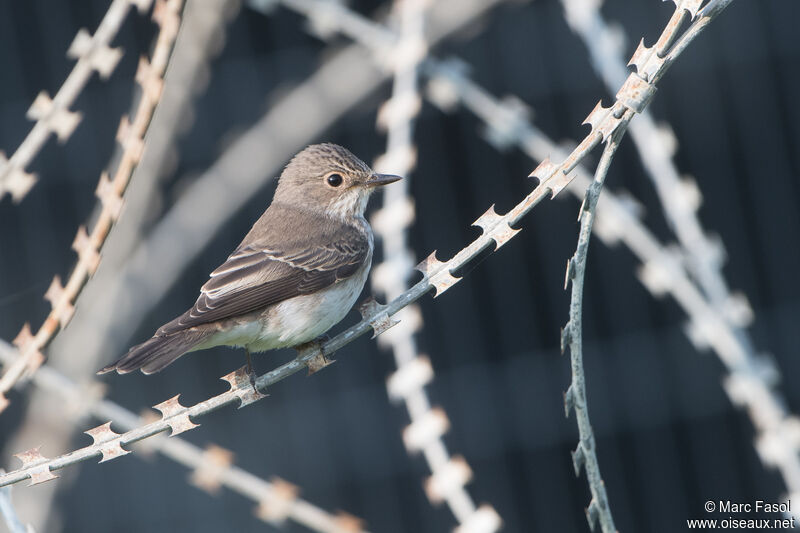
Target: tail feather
pixel 156 353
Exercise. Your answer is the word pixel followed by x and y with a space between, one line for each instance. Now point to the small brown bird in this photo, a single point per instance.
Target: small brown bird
pixel 297 272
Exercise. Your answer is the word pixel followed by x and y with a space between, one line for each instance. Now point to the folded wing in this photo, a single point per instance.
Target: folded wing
pixel 257 276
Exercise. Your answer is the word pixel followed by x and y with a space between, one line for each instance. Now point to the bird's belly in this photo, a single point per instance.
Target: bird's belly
pixel 299 319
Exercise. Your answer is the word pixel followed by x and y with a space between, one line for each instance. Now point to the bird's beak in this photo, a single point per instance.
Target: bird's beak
pixel 376 180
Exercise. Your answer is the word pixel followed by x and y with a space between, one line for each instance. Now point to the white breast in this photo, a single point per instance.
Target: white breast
pixel 304 318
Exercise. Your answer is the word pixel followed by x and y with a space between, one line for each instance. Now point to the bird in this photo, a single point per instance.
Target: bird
pixel 296 273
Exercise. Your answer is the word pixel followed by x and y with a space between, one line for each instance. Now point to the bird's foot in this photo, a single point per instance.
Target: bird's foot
pixel 318 361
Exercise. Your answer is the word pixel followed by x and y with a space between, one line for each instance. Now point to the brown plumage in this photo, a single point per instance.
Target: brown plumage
pixel 294 275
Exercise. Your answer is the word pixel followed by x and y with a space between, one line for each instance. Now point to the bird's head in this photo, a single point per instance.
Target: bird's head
pixel 328 178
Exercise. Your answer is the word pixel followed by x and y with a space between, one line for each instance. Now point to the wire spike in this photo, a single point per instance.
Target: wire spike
pixel 451 476
pixel 175 415
pixel 551 177
pixel 690 6
pixel 437 273
pixel 566 336
pixel 148 79
pixel 646 61
pixel 128 139
pixel 569 272
pixel 99 55
pixel 86 251
pixel 24 337
pixel 569 400
pixel 381 320
pixel 17 181
pixel 274 506
pixel 60 121
pixel 37 465
pixel 410 377
pixel 578 459
pixel 593 514
pixel 495 227
pixel 544 170
pixel 429 427
pixel 107 193
pixel 488 219
pixel 59 301
pixel 208 473
pixel 602 120
pixel 165 14
pixel 26 342
pixel 108 441
pixel 239 381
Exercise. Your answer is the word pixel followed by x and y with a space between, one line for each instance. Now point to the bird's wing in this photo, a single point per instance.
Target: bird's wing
pixel 256 276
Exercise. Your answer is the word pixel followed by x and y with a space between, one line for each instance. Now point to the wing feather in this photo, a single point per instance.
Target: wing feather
pixel 257 276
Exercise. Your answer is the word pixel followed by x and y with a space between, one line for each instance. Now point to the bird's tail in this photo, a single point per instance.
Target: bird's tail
pixel 156 353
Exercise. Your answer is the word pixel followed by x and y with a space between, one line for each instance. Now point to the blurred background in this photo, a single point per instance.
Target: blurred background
pixel 256 84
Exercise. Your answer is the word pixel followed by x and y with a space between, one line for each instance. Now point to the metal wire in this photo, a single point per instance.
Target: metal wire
pixel 130 136
pixel 585 455
pixel 212 467
pixel 428 425
pixel 437 275
pixel 753 377
pixel 93 54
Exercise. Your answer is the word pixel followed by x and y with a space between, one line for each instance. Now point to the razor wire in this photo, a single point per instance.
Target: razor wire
pixel 662 272
pixel 437 275
pixel 212 467
pixel 425 433
pixel 52 115
pixel 130 136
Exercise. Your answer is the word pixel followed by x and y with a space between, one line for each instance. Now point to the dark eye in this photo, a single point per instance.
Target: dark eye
pixel 334 180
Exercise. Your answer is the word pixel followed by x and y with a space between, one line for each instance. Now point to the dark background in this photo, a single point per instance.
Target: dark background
pixel 667 436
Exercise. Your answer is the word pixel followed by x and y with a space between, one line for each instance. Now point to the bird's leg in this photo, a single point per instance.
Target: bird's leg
pixel 250 373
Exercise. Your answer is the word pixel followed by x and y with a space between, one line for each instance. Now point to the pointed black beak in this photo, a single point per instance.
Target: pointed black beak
pixel 376 180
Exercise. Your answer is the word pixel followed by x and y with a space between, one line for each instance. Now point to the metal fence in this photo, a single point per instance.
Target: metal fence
pixel 408 47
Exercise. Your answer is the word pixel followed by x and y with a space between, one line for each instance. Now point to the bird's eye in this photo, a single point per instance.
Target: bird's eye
pixel 334 180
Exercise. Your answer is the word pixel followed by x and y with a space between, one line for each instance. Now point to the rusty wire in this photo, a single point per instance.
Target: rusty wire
pixel 585 455
pixel 52 116
pixel 616 220
pixel 290 124
pixel 130 136
pixel 212 467
pixel 203 28
pixel 679 196
pixel 437 275
pixel 661 273
pixel 632 97
pixel 390 278
pixel 753 377
pixel 201 33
